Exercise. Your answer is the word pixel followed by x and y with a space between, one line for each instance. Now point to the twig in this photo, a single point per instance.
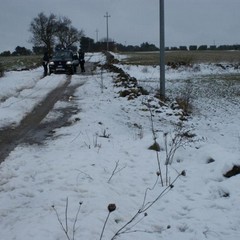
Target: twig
pixel 165 191
pixel 111 208
pixel 87 175
pixel 159 167
pixel 66 215
pixel 115 170
pixel 155 141
pixel 76 137
pixel 75 220
pixel 144 209
pixel 104 225
pixel 149 189
pixel 60 222
pixel 65 228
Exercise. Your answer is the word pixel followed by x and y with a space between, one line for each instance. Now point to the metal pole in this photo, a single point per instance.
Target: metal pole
pixel 107 16
pixel 162 49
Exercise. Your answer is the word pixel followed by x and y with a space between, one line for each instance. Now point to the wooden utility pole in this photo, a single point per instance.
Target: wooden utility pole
pixel 97 35
pixel 107 16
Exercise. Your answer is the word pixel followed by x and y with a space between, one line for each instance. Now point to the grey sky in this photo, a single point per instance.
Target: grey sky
pixel 132 22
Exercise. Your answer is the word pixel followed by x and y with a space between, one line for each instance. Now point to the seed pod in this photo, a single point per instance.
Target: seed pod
pixel 111 207
pixel 183 173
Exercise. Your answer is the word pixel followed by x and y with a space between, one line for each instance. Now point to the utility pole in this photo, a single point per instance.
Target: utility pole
pixel 97 35
pixel 162 49
pixel 107 16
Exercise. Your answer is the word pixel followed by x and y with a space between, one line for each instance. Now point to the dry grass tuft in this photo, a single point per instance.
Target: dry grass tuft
pixel 188 57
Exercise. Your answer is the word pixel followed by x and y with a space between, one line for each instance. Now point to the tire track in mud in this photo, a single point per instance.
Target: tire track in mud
pixel 31 130
pixel 11 137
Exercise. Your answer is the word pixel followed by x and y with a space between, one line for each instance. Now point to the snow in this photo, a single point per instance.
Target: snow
pixel 115 133
pixel 21 92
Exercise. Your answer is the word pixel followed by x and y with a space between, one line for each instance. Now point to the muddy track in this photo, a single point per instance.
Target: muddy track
pixel 31 130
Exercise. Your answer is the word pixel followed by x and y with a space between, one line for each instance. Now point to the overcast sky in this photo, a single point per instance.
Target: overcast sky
pixel 132 22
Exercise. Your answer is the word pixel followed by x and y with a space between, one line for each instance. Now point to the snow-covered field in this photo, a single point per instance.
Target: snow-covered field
pixel 104 159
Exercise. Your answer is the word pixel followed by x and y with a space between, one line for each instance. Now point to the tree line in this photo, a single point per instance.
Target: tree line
pixel 204 47
pixel 88 45
pixel 51 32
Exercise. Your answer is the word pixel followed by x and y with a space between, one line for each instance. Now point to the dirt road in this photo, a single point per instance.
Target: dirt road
pixel 31 130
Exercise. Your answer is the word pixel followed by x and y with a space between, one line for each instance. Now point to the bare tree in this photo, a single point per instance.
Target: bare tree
pixel 47 30
pixel 43 30
pixel 67 35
